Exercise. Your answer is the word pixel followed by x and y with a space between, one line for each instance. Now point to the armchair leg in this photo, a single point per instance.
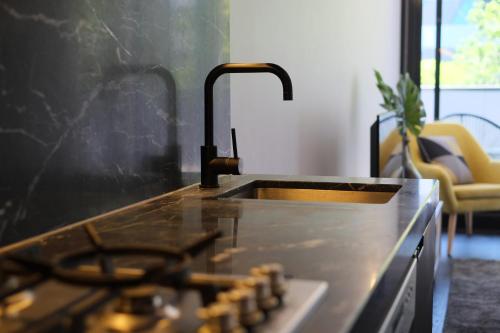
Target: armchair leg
pixel 452 228
pixel 468 223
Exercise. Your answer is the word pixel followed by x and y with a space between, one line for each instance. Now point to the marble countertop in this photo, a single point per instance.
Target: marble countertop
pixel 348 245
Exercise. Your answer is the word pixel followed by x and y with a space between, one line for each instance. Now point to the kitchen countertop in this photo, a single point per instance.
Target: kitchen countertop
pixel 351 246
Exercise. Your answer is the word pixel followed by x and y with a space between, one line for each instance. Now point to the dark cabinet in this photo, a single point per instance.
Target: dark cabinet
pixel 402 301
pixel 426 258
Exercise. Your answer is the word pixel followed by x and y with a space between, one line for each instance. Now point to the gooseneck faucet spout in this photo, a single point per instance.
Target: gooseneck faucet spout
pixel 238 68
pixel 211 164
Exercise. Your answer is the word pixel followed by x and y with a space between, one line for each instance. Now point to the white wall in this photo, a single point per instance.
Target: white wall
pixel 329 48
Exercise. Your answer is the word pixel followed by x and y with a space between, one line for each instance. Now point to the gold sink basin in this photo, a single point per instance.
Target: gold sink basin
pixel 315 192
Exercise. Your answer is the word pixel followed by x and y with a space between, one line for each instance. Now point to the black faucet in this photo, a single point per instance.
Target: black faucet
pixel 211 164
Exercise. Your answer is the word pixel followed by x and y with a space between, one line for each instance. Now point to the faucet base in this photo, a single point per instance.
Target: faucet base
pixel 209 178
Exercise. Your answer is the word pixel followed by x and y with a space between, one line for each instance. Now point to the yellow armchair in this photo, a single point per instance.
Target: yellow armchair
pixel 482 195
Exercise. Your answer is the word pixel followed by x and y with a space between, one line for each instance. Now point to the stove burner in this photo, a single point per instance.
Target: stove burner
pixel 128 323
pixel 137 309
pixel 15 287
pixel 13 305
pixel 147 300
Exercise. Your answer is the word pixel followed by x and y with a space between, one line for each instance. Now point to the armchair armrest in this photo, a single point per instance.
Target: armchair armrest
pixel 433 171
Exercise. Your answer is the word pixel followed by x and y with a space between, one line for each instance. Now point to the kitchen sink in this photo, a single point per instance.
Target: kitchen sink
pixel 314 192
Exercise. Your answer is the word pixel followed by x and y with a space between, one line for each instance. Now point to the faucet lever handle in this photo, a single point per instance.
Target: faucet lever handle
pixel 235 146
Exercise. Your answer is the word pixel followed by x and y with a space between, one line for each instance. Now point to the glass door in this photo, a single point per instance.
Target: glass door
pixel 460 81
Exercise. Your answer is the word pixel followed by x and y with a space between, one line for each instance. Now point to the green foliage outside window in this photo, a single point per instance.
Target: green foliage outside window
pixel 477 60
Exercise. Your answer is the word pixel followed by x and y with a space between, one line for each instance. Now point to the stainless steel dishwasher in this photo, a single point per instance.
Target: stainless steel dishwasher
pixel 401 314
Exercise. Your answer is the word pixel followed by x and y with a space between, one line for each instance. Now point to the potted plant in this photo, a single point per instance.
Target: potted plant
pixel 410 115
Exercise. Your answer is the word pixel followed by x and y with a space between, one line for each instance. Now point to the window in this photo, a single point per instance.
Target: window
pixel 461 82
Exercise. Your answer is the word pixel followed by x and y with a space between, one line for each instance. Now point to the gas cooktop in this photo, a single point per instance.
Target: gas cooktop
pixel 147 288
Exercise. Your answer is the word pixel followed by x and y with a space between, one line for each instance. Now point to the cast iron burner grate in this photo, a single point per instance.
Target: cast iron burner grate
pixel 97 290
pixel 173 270
pixel 19 274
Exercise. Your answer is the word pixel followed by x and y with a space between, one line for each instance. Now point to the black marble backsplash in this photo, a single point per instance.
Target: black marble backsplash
pixel 101 104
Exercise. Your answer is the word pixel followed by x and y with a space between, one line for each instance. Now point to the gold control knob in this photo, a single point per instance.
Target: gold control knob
pixel 276 275
pixel 245 301
pixel 262 288
pixel 220 318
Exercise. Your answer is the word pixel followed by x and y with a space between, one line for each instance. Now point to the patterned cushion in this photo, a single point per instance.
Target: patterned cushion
pixel 392 168
pixel 444 151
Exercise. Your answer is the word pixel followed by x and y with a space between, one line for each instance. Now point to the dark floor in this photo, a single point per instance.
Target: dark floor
pixel 480 246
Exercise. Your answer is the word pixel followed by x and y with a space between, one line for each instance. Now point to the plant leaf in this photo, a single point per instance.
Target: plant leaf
pixel 407 104
pixel 388 95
